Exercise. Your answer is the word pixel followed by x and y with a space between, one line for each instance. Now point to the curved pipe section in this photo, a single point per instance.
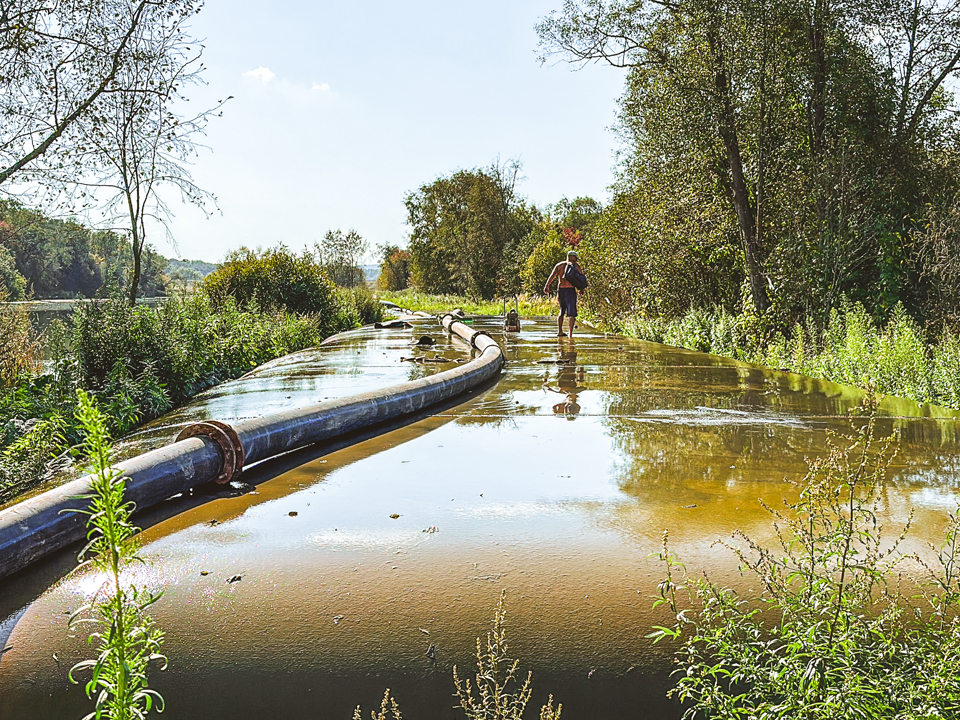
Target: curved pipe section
pixel 40 525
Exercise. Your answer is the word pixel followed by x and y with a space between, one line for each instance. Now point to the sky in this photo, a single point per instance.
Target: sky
pixel 340 109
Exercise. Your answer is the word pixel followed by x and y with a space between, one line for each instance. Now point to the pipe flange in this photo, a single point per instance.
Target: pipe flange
pixel 478 333
pixel 226 439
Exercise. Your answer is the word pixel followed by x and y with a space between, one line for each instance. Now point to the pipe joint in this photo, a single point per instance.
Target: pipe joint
pixel 226 439
pixel 477 334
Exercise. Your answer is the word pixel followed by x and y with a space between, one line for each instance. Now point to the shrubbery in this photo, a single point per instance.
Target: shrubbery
pixel 846 625
pixel 139 362
pixel 274 278
pixel 852 349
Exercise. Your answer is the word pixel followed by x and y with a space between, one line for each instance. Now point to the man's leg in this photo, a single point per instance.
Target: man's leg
pixel 560 319
pixel 571 322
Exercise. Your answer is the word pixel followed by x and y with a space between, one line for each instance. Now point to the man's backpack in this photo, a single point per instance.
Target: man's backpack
pixel 574 276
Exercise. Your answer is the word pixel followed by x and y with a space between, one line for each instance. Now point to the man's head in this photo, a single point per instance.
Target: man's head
pixel 572 255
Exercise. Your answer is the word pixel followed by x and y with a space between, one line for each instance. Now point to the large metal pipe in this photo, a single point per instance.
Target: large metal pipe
pixel 40 525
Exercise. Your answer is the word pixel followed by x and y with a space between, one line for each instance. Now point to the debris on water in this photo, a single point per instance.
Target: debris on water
pixel 432 652
pixel 630 669
pixel 235 578
pixel 8 648
pixel 425 632
pixel 421 360
pixel 557 361
pixel 426 340
pixel 213 522
pixel 687 507
pixel 393 324
pixel 293 513
pixel 590 674
pixel 337 619
pixel 431 530
pixel 204 572
pixel 394 516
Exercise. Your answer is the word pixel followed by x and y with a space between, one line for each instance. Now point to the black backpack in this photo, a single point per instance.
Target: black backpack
pixel 574 276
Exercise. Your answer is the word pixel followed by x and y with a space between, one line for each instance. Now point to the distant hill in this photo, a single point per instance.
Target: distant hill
pixel 189 270
pixel 371 272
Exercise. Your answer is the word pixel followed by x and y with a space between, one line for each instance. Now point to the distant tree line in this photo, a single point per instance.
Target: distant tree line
pixel 43 257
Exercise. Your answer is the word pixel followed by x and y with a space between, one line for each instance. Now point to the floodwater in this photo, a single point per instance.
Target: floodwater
pixel 554 484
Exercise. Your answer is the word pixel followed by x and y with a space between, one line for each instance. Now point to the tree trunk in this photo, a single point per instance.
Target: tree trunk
pixel 135 284
pixel 738 184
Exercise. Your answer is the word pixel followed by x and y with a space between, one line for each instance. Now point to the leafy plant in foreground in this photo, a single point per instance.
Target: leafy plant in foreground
pixel 840 630
pixel 126 639
pixel 492 695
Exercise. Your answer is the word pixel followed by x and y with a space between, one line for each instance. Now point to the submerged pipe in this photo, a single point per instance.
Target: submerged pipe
pixel 214 450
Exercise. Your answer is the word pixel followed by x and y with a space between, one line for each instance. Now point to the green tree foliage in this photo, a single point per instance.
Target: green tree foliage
pixel 793 148
pixel 462 230
pixel 341 254
pixel 275 278
pixel 394 268
pixel 54 258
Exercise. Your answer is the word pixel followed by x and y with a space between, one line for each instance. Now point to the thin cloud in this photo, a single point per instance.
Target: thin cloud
pixel 322 87
pixel 263 74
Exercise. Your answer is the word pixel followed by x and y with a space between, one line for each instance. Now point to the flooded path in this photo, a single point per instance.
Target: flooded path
pixel 554 484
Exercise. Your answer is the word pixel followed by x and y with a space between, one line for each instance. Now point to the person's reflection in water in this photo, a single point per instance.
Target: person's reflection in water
pixel 569 378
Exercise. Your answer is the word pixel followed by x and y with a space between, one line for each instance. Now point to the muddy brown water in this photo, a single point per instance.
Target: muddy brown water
pixel 553 484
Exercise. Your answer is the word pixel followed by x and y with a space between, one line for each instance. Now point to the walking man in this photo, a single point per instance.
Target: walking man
pixel 566 293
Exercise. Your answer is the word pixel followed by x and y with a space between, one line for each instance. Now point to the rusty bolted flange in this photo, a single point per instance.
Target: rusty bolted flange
pixel 226 439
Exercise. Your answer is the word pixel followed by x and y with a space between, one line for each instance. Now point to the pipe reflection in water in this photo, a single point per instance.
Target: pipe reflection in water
pixel 336 599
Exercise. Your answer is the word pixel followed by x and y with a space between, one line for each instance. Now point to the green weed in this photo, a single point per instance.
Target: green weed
pixel 125 637
pixel 835 632
pixel 851 349
pixel 495 692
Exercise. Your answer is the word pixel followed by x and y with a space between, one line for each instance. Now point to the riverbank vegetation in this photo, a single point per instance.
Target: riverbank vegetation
pixel 139 362
pixel 782 166
pixel 845 624
pixel 414 300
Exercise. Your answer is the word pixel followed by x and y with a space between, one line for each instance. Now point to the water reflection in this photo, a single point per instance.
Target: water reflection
pixel 563 515
pixel 569 379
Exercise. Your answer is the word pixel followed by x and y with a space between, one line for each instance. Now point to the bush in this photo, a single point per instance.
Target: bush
pixel 274 278
pixel 359 306
pixel 836 632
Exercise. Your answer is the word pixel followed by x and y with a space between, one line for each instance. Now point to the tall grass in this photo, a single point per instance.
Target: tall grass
pixel 894 358
pixel 414 300
pixel 844 625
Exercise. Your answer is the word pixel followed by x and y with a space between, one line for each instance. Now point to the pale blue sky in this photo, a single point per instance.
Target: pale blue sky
pixel 342 108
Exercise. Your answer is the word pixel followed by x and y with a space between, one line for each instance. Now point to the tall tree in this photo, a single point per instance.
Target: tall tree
pixel 58 59
pixel 820 125
pixel 341 254
pixel 136 142
pixel 461 228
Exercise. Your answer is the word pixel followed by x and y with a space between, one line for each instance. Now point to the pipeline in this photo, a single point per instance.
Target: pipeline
pixel 214 450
